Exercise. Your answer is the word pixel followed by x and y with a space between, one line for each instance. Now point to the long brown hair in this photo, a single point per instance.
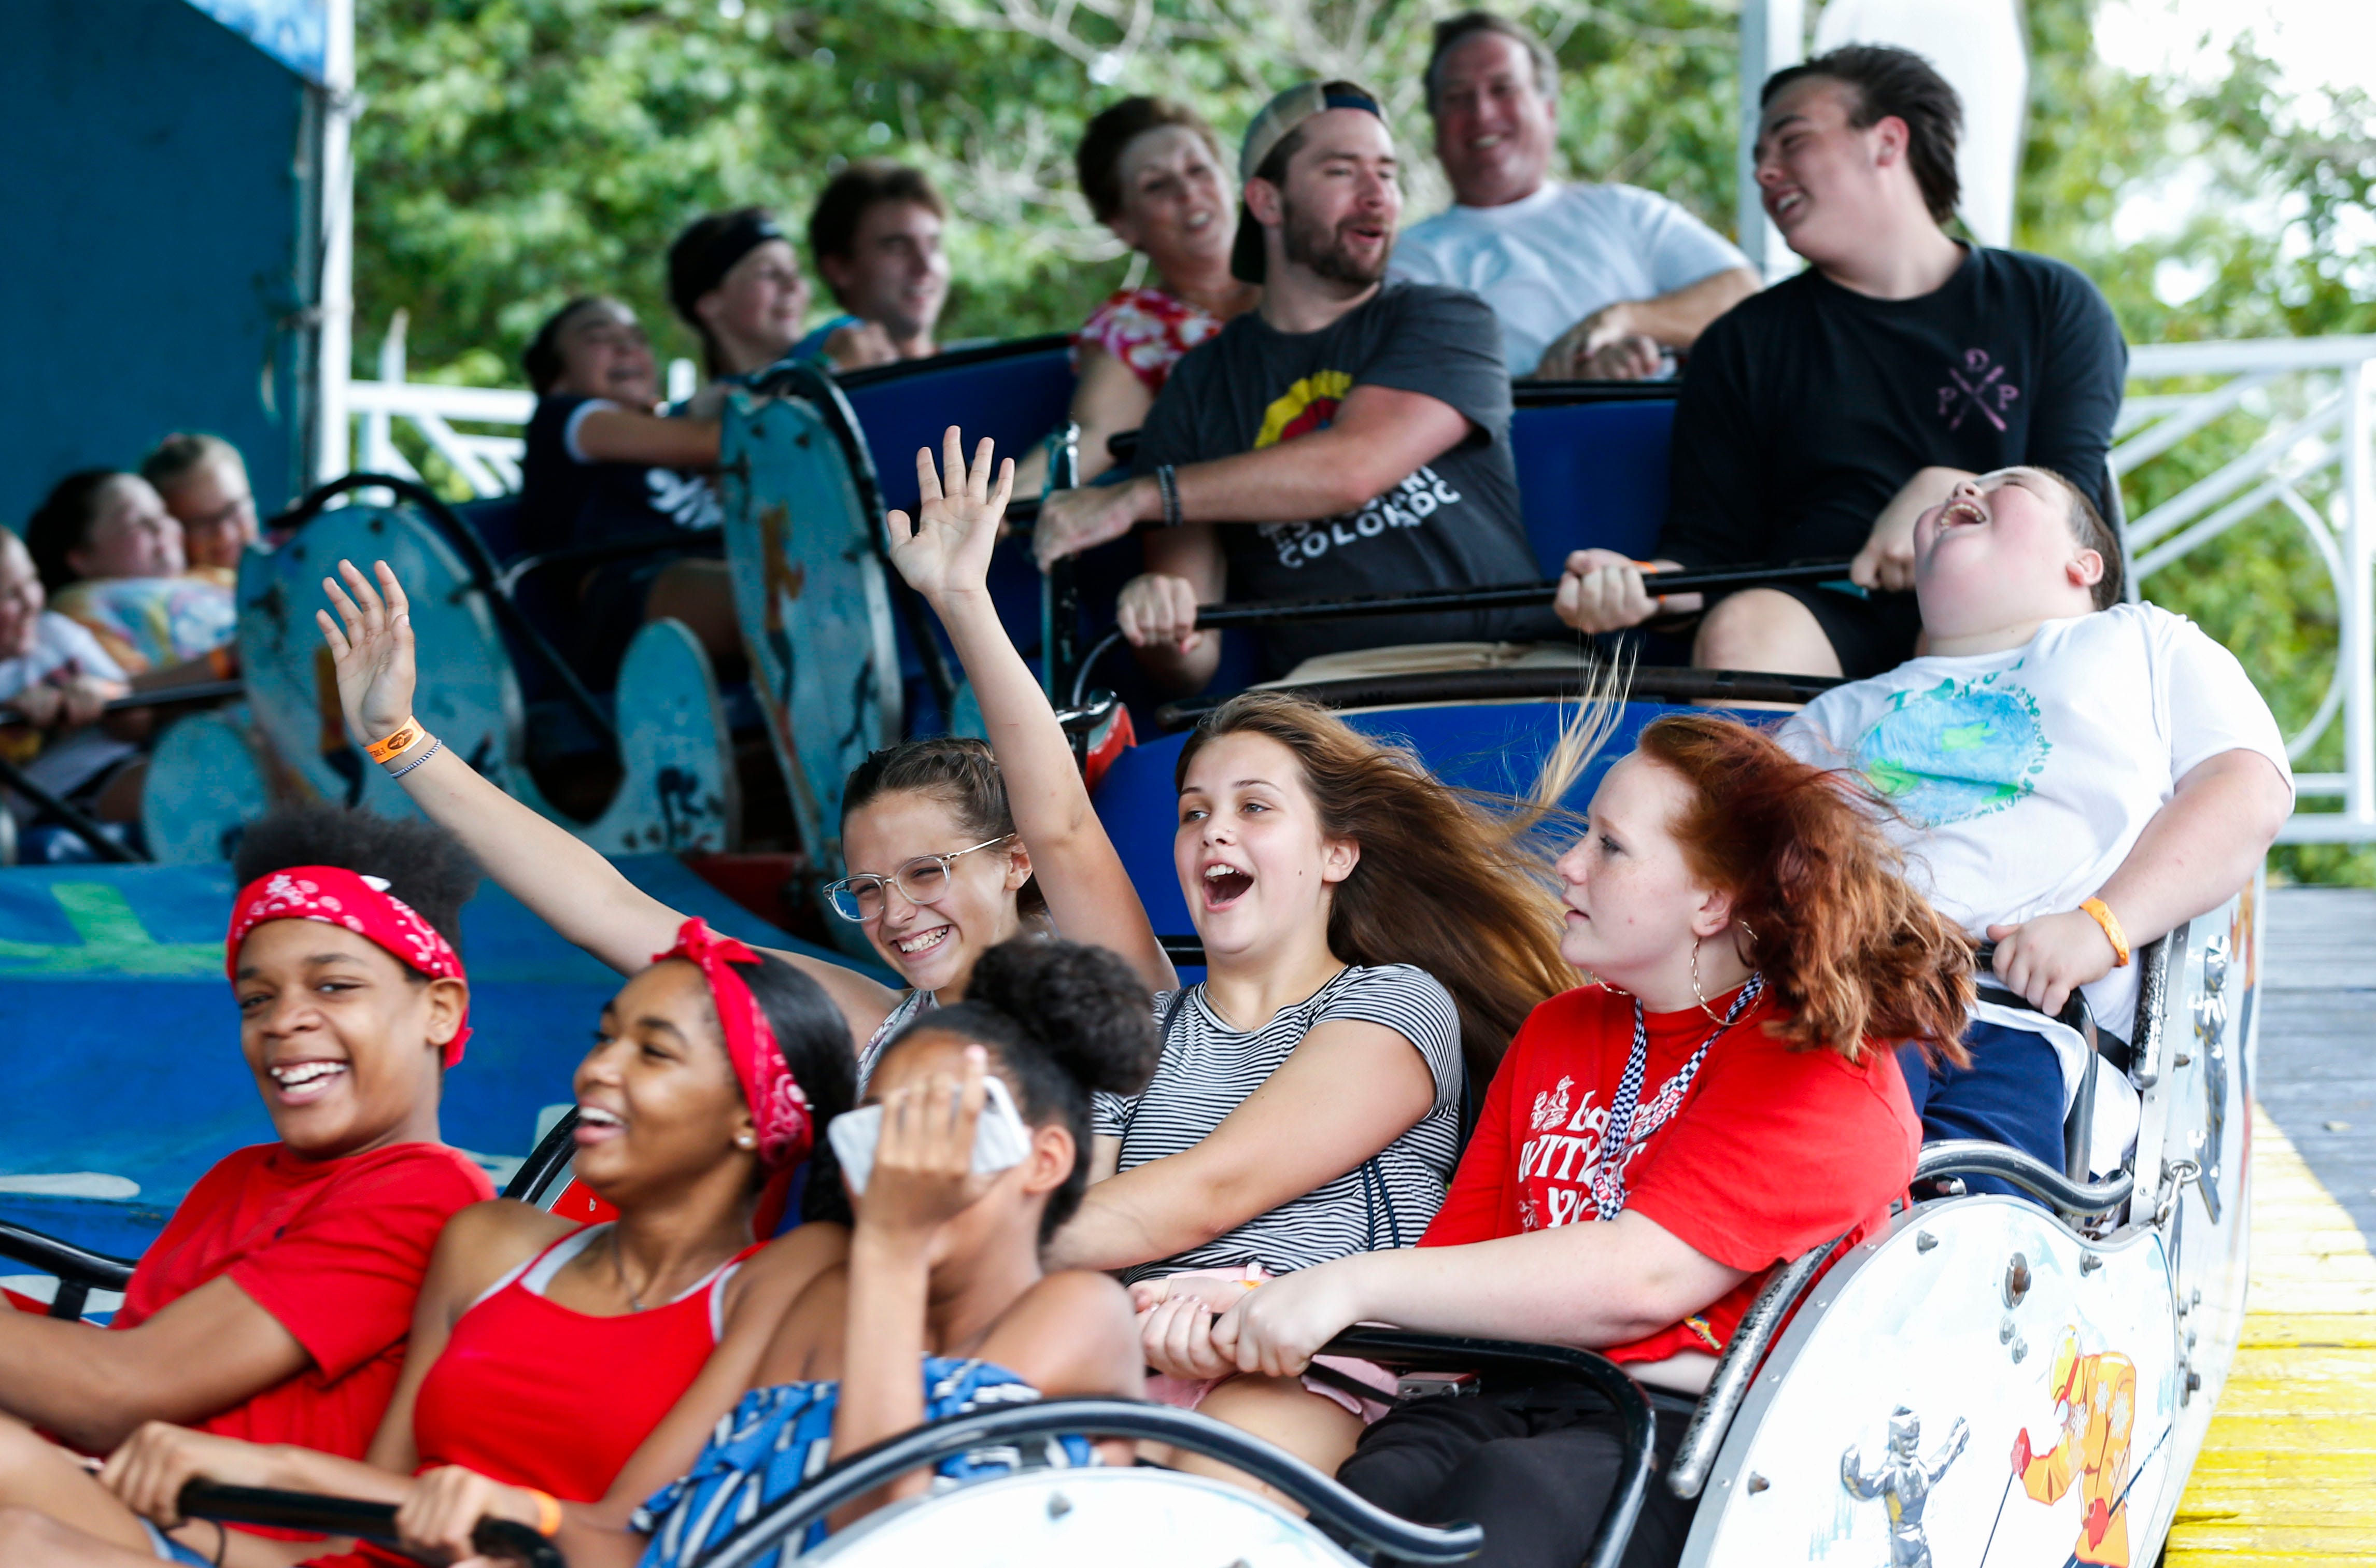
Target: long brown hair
pixel 1444 882
pixel 1852 951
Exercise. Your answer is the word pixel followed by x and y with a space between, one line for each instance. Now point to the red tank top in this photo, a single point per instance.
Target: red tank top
pixel 535 1395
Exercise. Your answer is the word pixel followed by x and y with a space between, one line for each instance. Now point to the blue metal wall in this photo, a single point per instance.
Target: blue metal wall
pixel 148 191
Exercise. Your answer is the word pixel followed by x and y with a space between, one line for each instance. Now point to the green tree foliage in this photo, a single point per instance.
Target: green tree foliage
pixel 514 152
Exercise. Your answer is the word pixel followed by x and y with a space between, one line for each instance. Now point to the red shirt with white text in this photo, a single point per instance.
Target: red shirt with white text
pixel 1769 1151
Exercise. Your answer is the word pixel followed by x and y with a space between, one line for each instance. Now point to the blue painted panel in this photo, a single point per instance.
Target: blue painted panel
pixel 295 33
pixel 150 190
pixel 1592 474
pixel 120 1046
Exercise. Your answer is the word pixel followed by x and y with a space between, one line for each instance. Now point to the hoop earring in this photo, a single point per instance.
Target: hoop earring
pixel 1696 991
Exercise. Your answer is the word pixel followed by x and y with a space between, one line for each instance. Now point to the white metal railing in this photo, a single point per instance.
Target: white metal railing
pixel 2307 405
pixel 2314 400
pixel 488 461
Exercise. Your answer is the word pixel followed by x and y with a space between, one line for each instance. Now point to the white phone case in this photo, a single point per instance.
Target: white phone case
pixel 1000 1138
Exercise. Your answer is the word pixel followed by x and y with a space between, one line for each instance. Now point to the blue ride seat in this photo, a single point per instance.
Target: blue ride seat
pixel 1592 472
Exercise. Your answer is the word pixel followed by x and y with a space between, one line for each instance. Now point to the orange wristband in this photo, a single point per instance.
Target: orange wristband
pixel 547 1512
pixel 222 663
pixel 389 747
pixel 2102 914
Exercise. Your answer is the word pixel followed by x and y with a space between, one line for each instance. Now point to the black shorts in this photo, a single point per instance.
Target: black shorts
pixel 1870 635
pixel 1536 1467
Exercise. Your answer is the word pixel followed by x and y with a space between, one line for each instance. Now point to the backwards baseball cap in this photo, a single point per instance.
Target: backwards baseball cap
pixel 1278 119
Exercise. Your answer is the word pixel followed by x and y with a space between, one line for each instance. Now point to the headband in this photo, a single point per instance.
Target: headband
pixel 695 268
pixel 335 895
pixel 778 1104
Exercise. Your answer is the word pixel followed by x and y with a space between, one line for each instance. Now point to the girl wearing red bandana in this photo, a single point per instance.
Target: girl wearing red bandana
pixel 275 1305
pixel 1725 1096
pixel 544 1353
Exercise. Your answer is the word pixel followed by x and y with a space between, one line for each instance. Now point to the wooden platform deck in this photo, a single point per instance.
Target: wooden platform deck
pixel 2288 1476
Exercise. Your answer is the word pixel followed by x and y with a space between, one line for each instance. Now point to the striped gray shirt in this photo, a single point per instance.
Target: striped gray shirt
pixel 1207 1068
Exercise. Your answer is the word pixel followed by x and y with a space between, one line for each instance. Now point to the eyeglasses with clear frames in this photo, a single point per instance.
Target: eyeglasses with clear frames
pixel 924 880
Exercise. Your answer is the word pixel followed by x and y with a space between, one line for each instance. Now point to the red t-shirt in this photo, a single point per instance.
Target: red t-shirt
pixel 335 1250
pixel 1770 1151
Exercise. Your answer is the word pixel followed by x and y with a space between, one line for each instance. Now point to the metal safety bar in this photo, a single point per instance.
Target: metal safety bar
pixel 1743 1353
pixel 79 1269
pixel 351 1516
pixel 1976 1156
pixel 1497 596
pixel 1328 1504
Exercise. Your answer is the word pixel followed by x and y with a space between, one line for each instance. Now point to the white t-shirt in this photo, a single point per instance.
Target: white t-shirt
pixel 1549 260
pixel 63 649
pixel 2022 778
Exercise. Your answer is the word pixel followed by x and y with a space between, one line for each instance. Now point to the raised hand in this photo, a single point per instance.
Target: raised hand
pixel 946 549
pixel 371 642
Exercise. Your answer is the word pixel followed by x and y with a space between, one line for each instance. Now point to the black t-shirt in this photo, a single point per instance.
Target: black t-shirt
pixel 1452 523
pixel 567 500
pixel 1806 408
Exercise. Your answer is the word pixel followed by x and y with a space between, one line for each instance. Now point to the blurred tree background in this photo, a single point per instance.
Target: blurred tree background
pixel 514 152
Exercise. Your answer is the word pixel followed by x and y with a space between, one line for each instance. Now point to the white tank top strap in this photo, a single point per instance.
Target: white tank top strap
pixel 533 1273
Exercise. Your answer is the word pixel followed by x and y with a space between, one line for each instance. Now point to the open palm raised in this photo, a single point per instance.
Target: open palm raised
pixel 946 548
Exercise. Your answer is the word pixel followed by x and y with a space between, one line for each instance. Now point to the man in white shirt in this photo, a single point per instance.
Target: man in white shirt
pixel 1589 282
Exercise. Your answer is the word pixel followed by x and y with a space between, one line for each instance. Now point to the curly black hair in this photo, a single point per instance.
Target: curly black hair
pixel 1067 1020
pixel 423 865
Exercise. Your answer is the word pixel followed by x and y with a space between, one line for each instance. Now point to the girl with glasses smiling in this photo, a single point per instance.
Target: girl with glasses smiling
pixel 1365 929
pixel 938 873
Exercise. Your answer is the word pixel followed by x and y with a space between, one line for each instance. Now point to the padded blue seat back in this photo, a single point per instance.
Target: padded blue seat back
pixel 1592 474
pixel 1015 394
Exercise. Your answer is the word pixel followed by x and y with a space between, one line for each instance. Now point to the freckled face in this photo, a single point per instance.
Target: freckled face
pixel 1630 896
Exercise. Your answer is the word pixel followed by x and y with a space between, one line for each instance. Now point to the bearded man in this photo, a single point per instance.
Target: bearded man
pixel 1350 437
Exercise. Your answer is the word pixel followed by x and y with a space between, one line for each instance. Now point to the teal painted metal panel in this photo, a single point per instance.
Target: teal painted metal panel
pixel 150 191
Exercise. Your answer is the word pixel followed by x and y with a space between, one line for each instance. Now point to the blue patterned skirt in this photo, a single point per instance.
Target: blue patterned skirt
pixel 778 1439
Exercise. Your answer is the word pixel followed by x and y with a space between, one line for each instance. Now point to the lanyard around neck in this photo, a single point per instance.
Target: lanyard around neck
pixel 1608 1176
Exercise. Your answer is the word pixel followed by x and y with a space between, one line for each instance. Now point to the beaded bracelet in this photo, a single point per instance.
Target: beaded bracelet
pixel 434 747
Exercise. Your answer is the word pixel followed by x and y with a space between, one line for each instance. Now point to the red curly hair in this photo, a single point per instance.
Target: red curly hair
pixel 1853 952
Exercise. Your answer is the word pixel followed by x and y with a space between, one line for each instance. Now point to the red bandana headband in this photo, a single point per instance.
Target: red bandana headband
pixel 335 895
pixel 778 1104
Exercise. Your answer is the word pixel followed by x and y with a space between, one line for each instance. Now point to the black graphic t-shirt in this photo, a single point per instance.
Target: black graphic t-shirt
pixel 1806 408
pixel 1454 523
pixel 567 500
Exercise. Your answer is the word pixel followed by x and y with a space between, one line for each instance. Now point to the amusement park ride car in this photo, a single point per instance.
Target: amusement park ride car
pixel 2029 1378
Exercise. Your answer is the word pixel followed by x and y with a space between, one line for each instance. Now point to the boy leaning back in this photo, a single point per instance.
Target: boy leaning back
pixel 2074 776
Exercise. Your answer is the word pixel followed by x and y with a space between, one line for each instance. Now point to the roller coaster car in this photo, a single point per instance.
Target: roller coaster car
pixel 662 730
